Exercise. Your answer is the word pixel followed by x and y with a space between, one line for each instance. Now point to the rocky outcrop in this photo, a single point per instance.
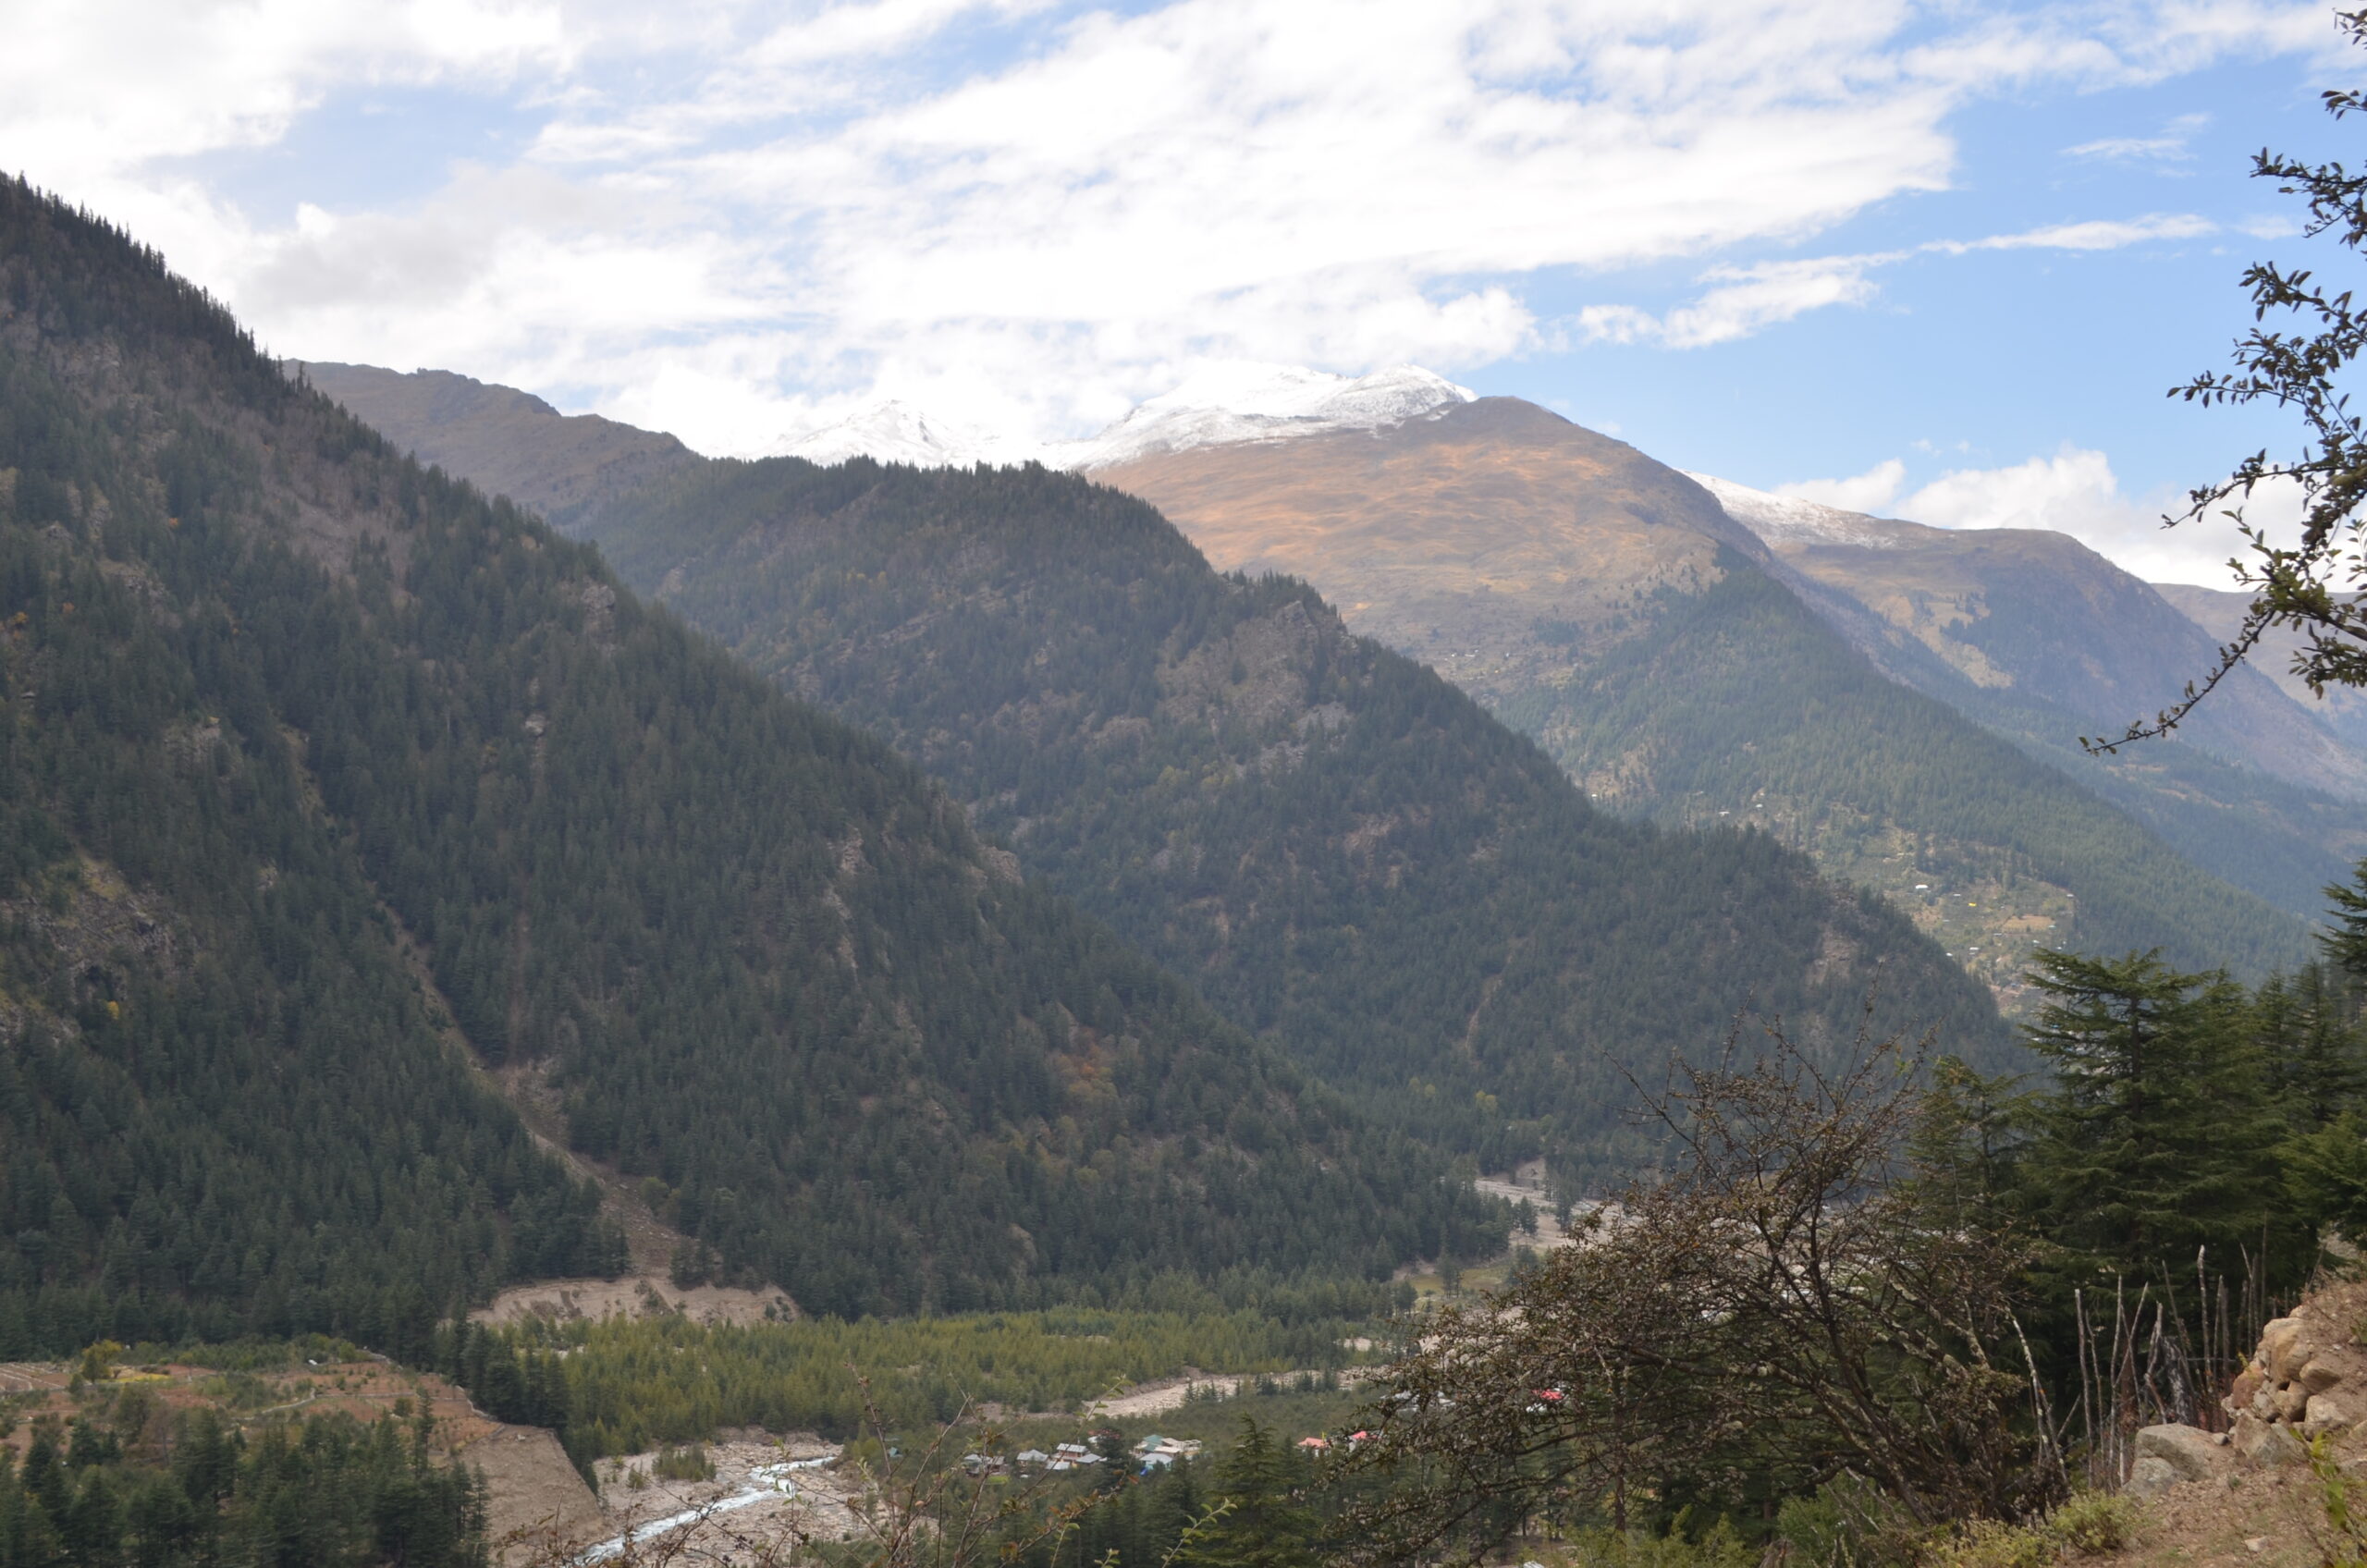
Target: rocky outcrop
pixel 2309 1378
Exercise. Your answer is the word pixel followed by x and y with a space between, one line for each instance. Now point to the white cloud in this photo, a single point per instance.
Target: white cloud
pixel 1743 300
pixel 1740 302
pixel 735 216
pixel 2094 234
pixel 2169 147
pixel 1870 492
pixel 2126 149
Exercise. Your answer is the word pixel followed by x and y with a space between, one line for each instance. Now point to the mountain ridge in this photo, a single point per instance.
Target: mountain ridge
pixel 1665 537
pixel 1939 585
pixel 1220 769
pixel 1555 573
pixel 770 972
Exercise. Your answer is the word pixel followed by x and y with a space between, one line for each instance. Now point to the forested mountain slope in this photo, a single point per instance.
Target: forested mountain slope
pixel 1607 605
pixel 1337 847
pixel 2039 616
pixel 2037 638
pixel 273 690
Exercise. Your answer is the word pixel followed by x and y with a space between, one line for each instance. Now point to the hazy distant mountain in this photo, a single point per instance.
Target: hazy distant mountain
pixel 509 443
pixel 1234 402
pixel 1512 551
pixel 2220 612
pixel 1218 405
pixel 1611 606
pixel 2039 614
pixel 1340 848
pixel 1343 850
pixel 893 432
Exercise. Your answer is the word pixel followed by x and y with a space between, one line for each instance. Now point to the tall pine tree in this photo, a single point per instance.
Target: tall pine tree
pixel 1264 1522
pixel 2159 1136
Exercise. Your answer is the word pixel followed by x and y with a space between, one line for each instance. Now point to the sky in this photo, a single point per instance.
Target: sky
pixel 1940 260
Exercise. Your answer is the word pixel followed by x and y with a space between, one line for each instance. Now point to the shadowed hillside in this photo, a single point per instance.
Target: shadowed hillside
pixel 1341 848
pixel 280 699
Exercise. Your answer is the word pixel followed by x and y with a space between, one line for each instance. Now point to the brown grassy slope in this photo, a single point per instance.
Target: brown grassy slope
pixel 1452 537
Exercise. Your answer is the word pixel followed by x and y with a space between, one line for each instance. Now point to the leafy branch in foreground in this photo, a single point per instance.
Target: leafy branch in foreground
pixel 2312 587
pixel 1787 1305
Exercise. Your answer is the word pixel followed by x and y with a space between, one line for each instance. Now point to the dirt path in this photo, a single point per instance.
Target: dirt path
pixel 1171 1393
pixel 1511 1189
pixel 647 1295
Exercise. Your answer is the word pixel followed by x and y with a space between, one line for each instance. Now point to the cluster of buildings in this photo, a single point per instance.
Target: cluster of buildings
pixel 1155 1453
pixel 1063 1457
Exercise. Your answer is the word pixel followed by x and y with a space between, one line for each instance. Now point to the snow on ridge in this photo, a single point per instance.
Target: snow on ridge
pixel 893 432
pixel 1790 519
pixel 1221 403
pixel 1238 401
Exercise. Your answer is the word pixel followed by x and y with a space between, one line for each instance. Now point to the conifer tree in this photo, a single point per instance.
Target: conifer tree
pixel 2316 1060
pixel 1264 1523
pixel 2346 945
pixel 2158 1135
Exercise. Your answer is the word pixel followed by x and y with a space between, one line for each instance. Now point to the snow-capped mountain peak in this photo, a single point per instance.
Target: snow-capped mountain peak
pixel 1786 519
pixel 1238 401
pixel 1220 403
pixel 892 432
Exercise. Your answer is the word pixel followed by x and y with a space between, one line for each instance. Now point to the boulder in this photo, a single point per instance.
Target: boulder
pixel 2319 1375
pixel 2283 1348
pixel 2266 1444
pixel 2323 1416
pixel 2192 1453
pixel 2292 1402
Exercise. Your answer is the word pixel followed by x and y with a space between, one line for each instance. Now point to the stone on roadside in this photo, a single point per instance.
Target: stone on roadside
pixel 2192 1453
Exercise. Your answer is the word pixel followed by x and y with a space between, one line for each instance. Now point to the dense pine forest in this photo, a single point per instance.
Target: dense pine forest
pixel 345 810
pixel 281 704
pixel 137 1483
pixel 1339 848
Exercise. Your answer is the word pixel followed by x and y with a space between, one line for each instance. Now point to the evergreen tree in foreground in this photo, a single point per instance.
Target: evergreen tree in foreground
pixel 2159 1136
pixel 1264 1523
